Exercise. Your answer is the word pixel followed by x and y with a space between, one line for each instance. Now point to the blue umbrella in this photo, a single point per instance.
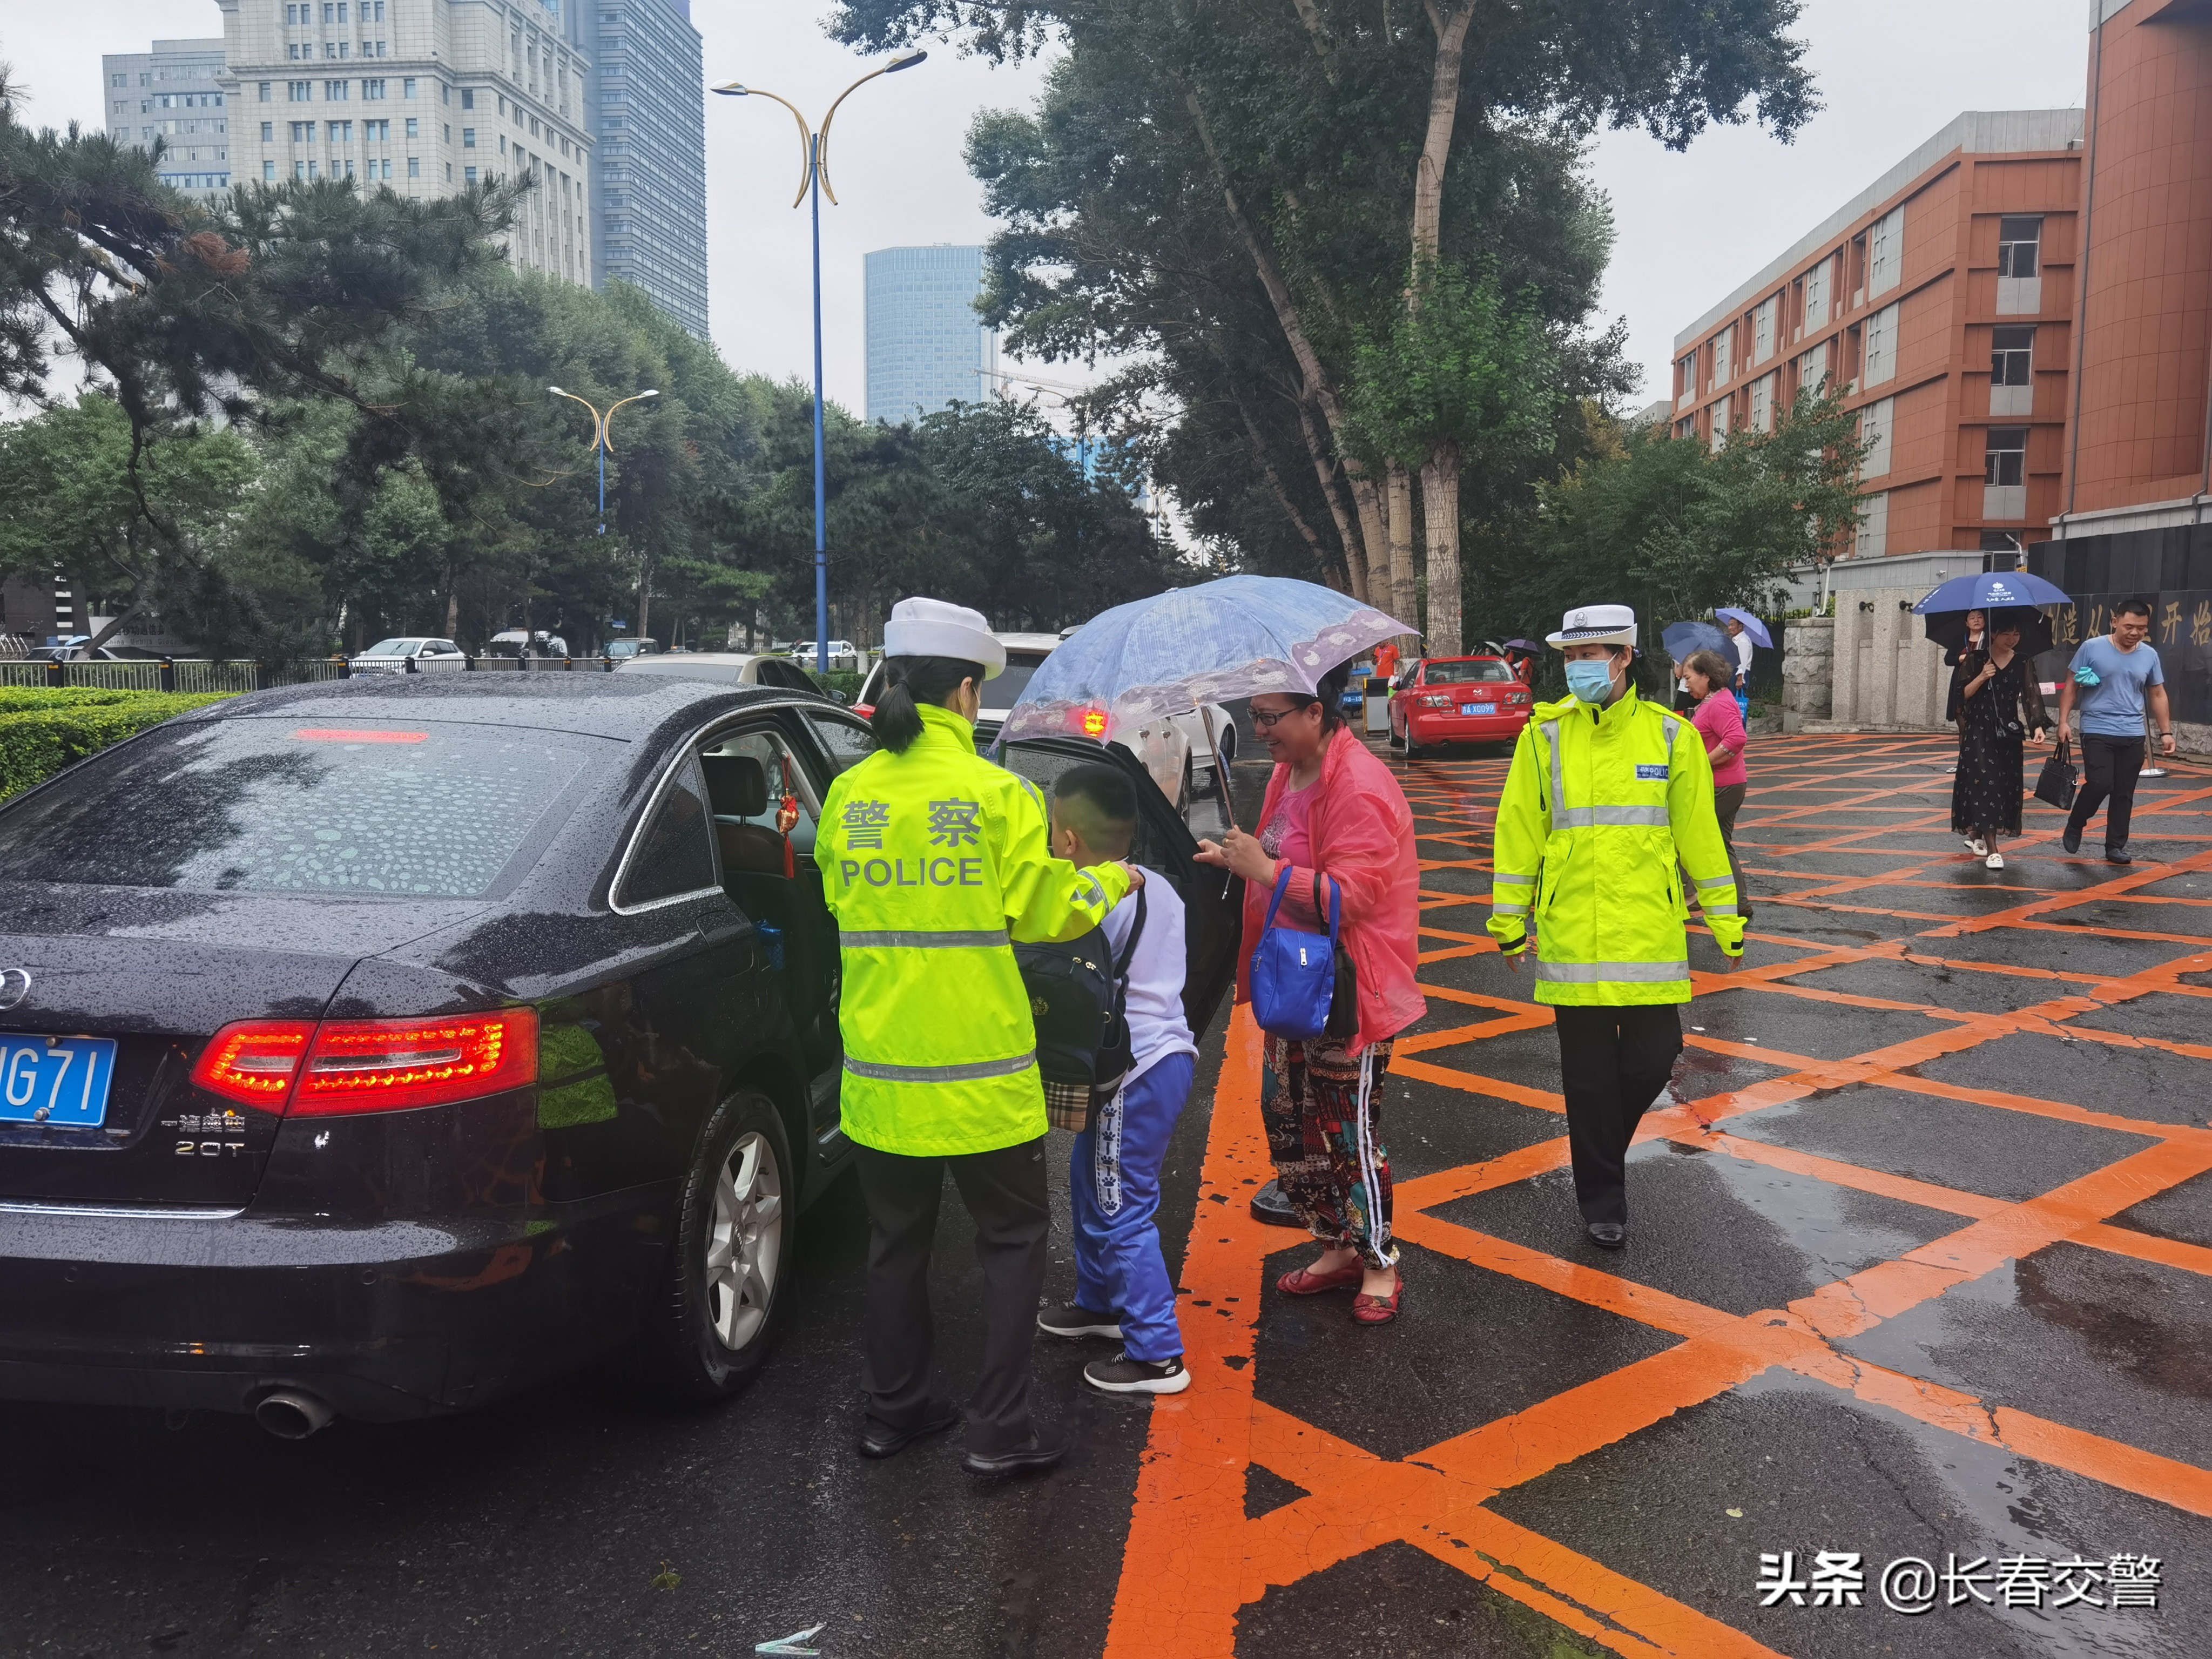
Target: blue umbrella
pixel 1993 590
pixel 1752 625
pixel 1683 638
pixel 1190 646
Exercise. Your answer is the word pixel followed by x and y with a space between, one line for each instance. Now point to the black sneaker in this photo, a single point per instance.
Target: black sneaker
pixel 1045 1447
pixel 2071 840
pixel 1070 1321
pixel 881 1440
pixel 1123 1375
pixel 2118 855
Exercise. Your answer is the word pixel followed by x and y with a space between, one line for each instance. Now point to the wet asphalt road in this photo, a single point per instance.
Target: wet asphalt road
pixel 1921 1266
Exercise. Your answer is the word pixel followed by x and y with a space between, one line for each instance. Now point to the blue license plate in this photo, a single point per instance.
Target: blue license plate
pixel 62 1081
pixel 1478 708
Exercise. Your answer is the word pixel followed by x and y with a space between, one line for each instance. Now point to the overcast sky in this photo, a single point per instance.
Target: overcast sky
pixel 1691 226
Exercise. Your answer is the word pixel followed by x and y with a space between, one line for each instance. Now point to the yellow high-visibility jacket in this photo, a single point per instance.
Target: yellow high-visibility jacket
pixel 934 862
pixel 1602 812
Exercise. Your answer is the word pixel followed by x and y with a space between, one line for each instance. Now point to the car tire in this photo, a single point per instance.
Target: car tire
pixel 1412 748
pixel 726 1290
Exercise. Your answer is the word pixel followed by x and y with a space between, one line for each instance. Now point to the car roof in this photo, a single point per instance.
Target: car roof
pixel 708 659
pixel 1030 641
pixel 593 703
pixel 1479 656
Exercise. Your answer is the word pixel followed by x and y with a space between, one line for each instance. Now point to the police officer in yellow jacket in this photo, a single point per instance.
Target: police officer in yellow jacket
pixel 1609 801
pixel 934 861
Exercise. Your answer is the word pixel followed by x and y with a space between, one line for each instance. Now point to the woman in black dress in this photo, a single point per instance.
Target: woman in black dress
pixel 1999 703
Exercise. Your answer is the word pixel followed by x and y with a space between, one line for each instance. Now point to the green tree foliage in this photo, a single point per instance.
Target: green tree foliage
pixel 1669 526
pixel 1246 188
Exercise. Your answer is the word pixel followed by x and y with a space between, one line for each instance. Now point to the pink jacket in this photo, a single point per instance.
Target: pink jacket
pixel 1363 835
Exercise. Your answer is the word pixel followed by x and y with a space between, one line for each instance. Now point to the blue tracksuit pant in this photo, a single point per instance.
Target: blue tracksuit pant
pixel 1114 1178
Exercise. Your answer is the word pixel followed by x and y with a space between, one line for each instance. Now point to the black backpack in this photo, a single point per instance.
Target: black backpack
pixel 1078 996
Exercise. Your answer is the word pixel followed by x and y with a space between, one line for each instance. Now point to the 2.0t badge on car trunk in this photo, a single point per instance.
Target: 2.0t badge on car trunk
pixel 15 985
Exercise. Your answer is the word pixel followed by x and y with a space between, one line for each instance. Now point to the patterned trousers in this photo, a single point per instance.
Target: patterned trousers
pixel 1323 1110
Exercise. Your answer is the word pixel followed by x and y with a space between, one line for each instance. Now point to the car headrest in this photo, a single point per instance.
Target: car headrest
pixel 736 785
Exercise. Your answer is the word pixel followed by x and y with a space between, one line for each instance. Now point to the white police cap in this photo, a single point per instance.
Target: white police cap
pixel 1595 624
pixel 931 627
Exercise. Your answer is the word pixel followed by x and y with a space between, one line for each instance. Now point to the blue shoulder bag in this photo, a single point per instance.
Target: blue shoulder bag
pixel 1294 972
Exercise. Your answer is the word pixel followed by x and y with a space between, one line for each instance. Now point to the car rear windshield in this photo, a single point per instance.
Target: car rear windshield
pixel 1469 673
pixel 259 805
pixel 1006 691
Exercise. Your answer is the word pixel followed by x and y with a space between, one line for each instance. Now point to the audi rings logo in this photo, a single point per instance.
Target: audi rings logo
pixel 15 985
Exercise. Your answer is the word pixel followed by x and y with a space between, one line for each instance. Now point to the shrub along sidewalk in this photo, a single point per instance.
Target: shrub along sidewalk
pixel 42 730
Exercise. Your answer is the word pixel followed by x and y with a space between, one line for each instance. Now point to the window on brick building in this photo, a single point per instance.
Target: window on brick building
pixel 2005 462
pixel 2020 247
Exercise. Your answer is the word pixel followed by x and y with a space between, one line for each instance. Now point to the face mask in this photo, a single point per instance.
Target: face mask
pixel 1590 680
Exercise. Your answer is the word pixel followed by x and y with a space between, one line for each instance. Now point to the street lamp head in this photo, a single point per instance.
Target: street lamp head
pixel 655 393
pixel 904 60
pixel 735 89
pixel 556 392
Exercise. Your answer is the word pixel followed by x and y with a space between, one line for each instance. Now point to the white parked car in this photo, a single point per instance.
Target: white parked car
pixel 516 643
pixel 1173 750
pixel 728 667
pixel 392 656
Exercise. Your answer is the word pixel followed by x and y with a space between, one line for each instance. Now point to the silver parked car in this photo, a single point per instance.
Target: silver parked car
pixel 392 656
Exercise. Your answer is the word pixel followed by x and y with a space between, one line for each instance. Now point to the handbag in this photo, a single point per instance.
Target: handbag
pixel 1344 996
pixel 2060 777
pixel 1294 972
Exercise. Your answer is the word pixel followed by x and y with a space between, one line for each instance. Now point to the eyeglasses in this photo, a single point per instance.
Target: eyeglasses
pixel 1267 722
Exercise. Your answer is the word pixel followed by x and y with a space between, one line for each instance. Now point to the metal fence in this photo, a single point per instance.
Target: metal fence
pixel 188 674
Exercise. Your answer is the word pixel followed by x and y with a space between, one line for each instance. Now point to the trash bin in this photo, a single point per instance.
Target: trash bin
pixel 1379 705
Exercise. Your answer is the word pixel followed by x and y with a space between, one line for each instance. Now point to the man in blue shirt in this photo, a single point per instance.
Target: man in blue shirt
pixel 2114 677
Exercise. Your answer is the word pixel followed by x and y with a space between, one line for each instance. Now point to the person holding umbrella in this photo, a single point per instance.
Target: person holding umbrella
pixel 1336 821
pixel 2000 703
pixel 1745 631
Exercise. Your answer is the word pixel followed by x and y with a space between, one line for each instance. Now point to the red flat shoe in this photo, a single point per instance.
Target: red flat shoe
pixel 1378 1309
pixel 1303 1282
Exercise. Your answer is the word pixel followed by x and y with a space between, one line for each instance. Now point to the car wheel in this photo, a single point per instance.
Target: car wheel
pixel 1412 748
pixel 724 1292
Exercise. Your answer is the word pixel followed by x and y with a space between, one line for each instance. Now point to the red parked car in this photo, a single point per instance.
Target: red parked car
pixel 1458 699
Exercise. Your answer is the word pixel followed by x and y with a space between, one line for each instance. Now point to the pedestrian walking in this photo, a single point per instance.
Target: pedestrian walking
pixel 1978 623
pixel 934 860
pixel 1745 646
pixel 1336 821
pixel 2000 704
pixel 1714 713
pixel 1123 1290
pixel 2116 675
pixel 1608 795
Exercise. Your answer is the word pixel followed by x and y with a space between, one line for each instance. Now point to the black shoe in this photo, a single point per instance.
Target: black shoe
pixel 2071 840
pixel 1070 1321
pixel 1123 1375
pixel 1045 1447
pixel 1609 1234
pixel 2118 855
pixel 878 1440
pixel 1269 1204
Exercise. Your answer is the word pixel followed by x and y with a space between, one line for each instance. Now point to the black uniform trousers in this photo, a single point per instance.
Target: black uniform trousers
pixel 1613 1064
pixel 1004 1193
pixel 2110 767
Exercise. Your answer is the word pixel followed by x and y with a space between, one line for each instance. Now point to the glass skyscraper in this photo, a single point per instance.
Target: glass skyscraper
pixel 926 346
pixel 651 227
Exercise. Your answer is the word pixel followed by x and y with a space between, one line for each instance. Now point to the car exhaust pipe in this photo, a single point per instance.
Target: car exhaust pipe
pixel 291 1414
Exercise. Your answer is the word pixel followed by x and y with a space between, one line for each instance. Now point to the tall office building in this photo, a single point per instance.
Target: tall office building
pixel 427 96
pixel 649 92
pixel 926 346
pixel 174 93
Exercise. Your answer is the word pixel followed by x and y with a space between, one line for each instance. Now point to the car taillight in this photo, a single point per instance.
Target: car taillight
pixel 1437 699
pixel 867 711
pixel 348 1065
pixel 254 1061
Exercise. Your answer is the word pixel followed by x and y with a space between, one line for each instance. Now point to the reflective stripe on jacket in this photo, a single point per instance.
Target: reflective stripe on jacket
pixel 1602 812
pixel 933 863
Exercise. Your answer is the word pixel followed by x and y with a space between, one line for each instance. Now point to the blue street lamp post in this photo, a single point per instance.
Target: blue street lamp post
pixel 814 182
pixel 603 446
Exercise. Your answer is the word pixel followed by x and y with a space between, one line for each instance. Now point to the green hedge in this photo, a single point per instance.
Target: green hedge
pixel 43 731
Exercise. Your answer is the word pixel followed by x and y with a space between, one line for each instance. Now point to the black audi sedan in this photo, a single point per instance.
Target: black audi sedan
pixel 380 1048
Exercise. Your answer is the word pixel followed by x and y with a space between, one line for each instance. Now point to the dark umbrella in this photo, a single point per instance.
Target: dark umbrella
pixel 1683 639
pixel 1529 646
